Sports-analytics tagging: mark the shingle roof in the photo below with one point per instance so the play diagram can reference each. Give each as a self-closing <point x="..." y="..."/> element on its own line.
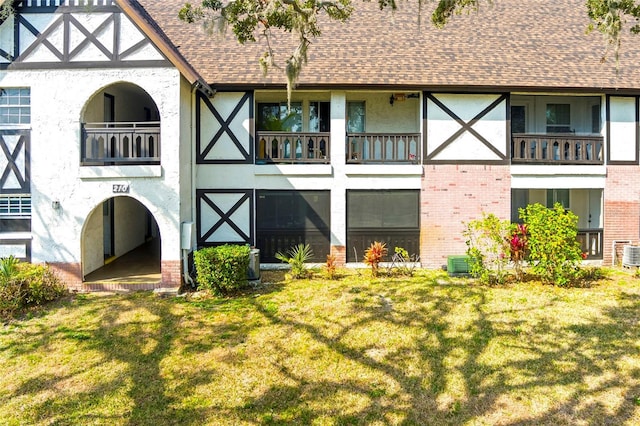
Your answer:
<point x="513" y="45"/>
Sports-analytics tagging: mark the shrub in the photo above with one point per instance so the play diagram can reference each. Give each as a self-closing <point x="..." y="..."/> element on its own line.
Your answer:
<point x="330" y="267"/>
<point x="518" y="246"/>
<point x="402" y="262"/>
<point x="554" y="251"/>
<point x="374" y="255"/>
<point x="42" y="284"/>
<point x="297" y="257"/>
<point x="24" y="284"/>
<point x="8" y="267"/>
<point x="222" y="269"/>
<point x="586" y="275"/>
<point x="488" y="248"/>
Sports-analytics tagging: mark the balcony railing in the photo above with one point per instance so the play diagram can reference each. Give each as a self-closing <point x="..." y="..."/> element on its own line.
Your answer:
<point x="591" y="242"/>
<point x="120" y="143"/>
<point x="556" y="149"/>
<point x="289" y="147"/>
<point x="383" y="148"/>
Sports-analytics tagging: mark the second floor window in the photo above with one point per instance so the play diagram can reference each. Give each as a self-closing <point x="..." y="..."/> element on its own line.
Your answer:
<point x="355" y="117"/>
<point x="319" y="117"/>
<point x="276" y="117"/>
<point x="559" y="118"/>
<point x="15" y="106"/>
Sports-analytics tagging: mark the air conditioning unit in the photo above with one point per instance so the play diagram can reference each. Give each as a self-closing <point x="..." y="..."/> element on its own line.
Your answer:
<point x="458" y="264"/>
<point x="254" y="265"/>
<point x="631" y="256"/>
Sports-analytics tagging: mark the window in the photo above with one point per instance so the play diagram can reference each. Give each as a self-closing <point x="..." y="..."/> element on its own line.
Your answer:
<point x="15" y="213"/>
<point x="595" y="119"/>
<point x="15" y="106"/>
<point x="355" y="117"/>
<point x="558" y="196"/>
<point x="558" y="118"/>
<point x="519" y="200"/>
<point x="15" y="205"/>
<point x="518" y="119"/>
<point x="319" y="117"/>
<point x="276" y="117"/>
<point x="389" y="216"/>
<point x="285" y="218"/>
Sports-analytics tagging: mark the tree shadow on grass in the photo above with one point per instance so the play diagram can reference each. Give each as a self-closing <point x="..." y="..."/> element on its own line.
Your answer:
<point x="123" y="381"/>
<point x="448" y="376"/>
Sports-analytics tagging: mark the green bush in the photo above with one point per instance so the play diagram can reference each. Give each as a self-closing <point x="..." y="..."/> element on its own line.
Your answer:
<point x="488" y="248"/>
<point x="554" y="251"/>
<point x="222" y="269"/>
<point x="42" y="284"/>
<point x="23" y="284"/>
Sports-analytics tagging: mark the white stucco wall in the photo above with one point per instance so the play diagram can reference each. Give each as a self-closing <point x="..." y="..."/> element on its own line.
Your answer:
<point x="441" y="127"/>
<point x="622" y="126"/>
<point x="93" y="253"/>
<point x="58" y="99"/>
<point x="401" y="117"/>
<point x="130" y="221"/>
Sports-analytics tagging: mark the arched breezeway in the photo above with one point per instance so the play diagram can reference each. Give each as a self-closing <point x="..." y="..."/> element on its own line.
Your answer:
<point x="120" y="245"/>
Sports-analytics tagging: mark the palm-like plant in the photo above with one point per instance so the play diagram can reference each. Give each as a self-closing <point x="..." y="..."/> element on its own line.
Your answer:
<point x="297" y="257"/>
<point x="8" y="267"/>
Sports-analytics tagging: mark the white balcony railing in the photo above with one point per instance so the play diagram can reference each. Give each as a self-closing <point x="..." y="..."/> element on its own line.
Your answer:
<point x="120" y="143"/>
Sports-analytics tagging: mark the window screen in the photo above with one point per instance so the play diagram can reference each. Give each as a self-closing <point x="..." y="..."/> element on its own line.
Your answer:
<point x="383" y="209"/>
<point x="293" y="210"/>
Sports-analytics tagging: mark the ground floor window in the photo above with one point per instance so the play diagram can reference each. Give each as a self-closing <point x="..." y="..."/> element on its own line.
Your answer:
<point x="285" y="218"/>
<point x="15" y="213"/>
<point x="389" y="216"/>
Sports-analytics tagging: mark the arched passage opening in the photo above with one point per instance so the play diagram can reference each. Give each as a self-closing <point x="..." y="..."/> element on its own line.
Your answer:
<point x="121" y="244"/>
<point x="120" y="126"/>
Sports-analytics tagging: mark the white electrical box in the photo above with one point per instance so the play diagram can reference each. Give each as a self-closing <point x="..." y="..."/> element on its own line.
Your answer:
<point x="186" y="237"/>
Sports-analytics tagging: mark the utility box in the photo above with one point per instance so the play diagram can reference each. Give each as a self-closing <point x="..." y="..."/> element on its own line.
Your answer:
<point x="458" y="264"/>
<point x="254" y="264"/>
<point x="186" y="236"/>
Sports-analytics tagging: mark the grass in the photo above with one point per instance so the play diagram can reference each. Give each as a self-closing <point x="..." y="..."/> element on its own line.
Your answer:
<point x="420" y="351"/>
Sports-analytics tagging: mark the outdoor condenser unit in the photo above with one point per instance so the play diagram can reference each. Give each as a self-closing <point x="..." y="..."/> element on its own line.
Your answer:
<point x="631" y="256"/>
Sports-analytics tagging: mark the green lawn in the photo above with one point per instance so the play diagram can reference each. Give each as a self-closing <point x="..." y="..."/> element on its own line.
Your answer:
<point x="427" y="350"/>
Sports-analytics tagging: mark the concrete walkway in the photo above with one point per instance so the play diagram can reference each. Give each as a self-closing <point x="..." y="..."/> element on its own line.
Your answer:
<point x="138" y="269"/>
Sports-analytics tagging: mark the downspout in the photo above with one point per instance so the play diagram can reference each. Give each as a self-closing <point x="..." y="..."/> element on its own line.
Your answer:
<point x="185" y="252"/>
<point x="210" y="92"/>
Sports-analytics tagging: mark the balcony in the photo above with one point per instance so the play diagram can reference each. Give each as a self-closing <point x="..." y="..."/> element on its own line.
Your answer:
<point x="120" y="143"/>
<point x="292" y="148"/>
<point x="556" y="149"/>
<point x="383" y="148"/>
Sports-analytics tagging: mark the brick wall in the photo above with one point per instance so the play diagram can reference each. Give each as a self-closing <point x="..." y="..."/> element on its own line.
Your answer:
<point x="621" y="208"/>
<point x="340" y="252"/>
<point x="70" y="274"/>
<point x="453" y="194"/>
<point x="171" y="273"/>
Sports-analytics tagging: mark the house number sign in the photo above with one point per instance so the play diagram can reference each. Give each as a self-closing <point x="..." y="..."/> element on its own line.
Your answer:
<point x="120" y="188"/>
